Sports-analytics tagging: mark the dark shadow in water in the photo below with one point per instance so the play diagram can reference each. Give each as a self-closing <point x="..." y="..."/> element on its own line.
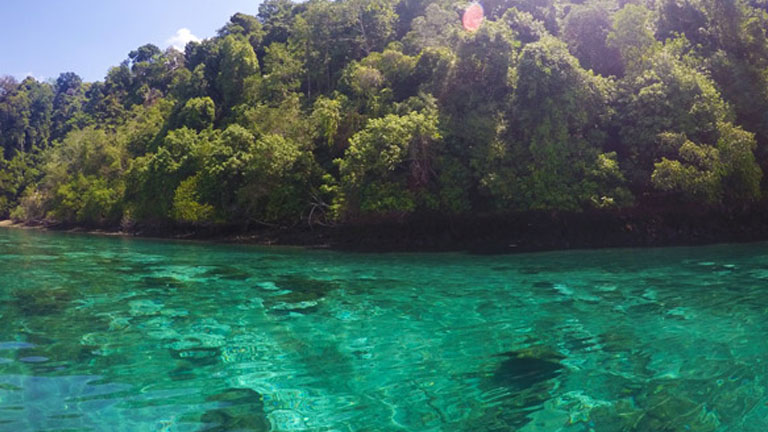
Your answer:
<point x="304" y="294"/>
<point x="525" y="368"/>
<point x="242" y="410"/>
<point x="41" y="302"/>
<point x="227" y="273"/>
<point x="191" y="360"/>
<point x="304" y="288"/>
<point x="198" y="356"/>
<point x="162" y="282"/>
<point x="528" y="377"/>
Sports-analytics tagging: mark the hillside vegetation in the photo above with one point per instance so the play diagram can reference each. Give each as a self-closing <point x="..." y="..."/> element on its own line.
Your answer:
<point x="331" y="112"/>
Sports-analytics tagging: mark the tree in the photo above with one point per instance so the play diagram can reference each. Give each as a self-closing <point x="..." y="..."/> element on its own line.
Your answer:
<point x="17" y="176"/>
<point x="388" y="165"/>
<point x="379" y="108"/>
<point x="632" y="36"/>
<point x="246" y="26"/>
<point x="283" y="71"/>
<point x="152" y="180"/>
<point x="711" y="174"/>
<point x="25" y="117"/>
<point x="68" y="105"/>
<point x="551" y="156"/>
<point x="82" y="178"/>
<point x="586" y="30"/>
<point x="275" y="186"/>
<point x="237" y="64"/>
<point x="375" y="23"/>
<point x="198" y="113"/>
<point x="187" y="205"/>
<point x="326" y="117"/>
<point x="437" y="27"/>
<point x="276" y="17"/>
<point x="681" y="17"/>
<point x="668" y="96"/>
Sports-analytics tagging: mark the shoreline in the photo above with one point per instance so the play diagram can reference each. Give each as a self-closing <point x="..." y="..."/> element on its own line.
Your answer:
<point x="480" y="234"/>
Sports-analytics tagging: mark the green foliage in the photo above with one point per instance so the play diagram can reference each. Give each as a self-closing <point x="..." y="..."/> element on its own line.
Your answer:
<point x="375" y="21"/>
<point x="741" y="173"/>
<point x="16" y="175"/>
<point x="325" y="118"/>
<point x="632" y="35"/>
<point x="152" y="179"/>
<point x="526" y="28"/>
<point x="67" y="109"/>
<point x="198" y="113"/>
<point x="186" y="204"/>
<point x="246" y="26"/>
<point x="282" y="72"/>
<point x="695" y="175"/>
<point x="586" y="31"/>
<point x="31" y="206"/>
<point x="727" y="171"/>
<point x="146" y="127"/>
<point x="237" y="63"/>
<point x="438" y="27"/>
<point x="25" y="116"/>
<point x="89" y="200"/>
<point x="83" y="178"/>
<point x="275" y="179"/>
<point x="553" y="148"/>
<point x="388" y="163"/>
<point x="667" y="96"/>
<point x="276" y="16"/>
<point x="376" y="108"/>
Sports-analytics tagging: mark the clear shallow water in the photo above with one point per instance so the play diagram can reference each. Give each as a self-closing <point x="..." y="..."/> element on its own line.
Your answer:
<point x="113" y="334"/>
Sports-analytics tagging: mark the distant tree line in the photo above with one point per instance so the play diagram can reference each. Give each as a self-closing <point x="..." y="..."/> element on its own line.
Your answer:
<point x="336" y="111"/>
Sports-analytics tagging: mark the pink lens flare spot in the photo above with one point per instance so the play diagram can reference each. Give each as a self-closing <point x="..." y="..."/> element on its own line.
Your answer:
<point x="473" y="17"/>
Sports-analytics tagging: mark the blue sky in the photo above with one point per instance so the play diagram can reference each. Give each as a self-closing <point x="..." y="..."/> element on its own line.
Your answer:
<point x="43" y="38"/>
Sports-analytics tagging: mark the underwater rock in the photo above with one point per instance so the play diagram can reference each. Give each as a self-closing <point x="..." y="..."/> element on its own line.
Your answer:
<point x="144" y="308"/>
<point x="242" y="410"/>
<point x="40" y="302"/>
<point x="617" y="340"/>
<point x="301" y="307"/>
<point x="300" y="294"/>
<point x="161" y="282"/>
<point x="304" y="289"/>
<point x="227" y="273"/>
<point x="183" y="373"/>
<point x="199" y="356"/>
<point x="527" y="367"/>
<point x="621" y="416"/>
<point x="520" y="385"/>
<point x="646" y="308"/>
<point x="658" y="408"/>
<point x="669" y="412"/>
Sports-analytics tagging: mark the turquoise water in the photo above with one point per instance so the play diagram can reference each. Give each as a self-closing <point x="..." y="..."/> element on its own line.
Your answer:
<point x="112" y="334"/>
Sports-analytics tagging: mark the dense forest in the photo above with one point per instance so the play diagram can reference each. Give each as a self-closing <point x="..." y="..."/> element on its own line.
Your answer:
<point x="328" y="112"/>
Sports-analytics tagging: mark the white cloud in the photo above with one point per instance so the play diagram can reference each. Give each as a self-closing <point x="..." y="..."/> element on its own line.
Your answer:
<point x="181" y="38"/>
<point x="23" y="76"/>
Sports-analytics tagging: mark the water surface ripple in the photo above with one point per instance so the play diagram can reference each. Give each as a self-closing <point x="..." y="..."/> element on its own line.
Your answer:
<point x="115" y="334"/>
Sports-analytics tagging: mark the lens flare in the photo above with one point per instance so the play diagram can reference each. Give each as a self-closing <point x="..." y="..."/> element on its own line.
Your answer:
<point x="473" y="17"/>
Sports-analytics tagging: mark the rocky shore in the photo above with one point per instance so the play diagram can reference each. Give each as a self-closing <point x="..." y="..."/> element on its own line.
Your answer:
<point x="520" y="232"/>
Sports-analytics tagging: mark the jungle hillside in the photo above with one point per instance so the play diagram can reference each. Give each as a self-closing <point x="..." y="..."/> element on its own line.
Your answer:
<point x="330" y="113"/>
